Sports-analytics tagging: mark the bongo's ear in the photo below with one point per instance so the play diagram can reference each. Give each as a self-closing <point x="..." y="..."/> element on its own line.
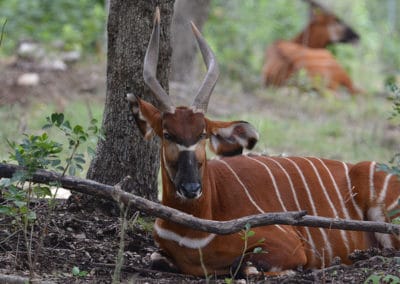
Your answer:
<point x="229" y="138"/>
<point x="147" y="116"/>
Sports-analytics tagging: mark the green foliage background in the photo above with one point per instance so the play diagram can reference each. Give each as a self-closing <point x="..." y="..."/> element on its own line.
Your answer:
<point x="240" y="31"/>
<point x="79" y="23"/>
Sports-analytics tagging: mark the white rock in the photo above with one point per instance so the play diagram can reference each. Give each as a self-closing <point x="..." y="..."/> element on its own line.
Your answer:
<point x="28" y="79"/>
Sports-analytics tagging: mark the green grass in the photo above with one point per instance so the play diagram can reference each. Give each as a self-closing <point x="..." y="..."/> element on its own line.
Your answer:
<point x="345" y="128"/>
<point x="348" y="129"/>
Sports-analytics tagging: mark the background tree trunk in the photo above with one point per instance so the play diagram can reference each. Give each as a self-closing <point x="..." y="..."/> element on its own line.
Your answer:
<point x="182" y="39"/>
<point x="124" y="152"/>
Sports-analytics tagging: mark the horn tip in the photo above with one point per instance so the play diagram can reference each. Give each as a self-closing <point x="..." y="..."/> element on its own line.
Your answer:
<point x="195" y="29"/>
<point x="157" y="15"/>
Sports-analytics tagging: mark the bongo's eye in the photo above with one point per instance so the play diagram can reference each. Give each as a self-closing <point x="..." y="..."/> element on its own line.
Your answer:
<point x="167" y="136"/>
<point x="203" y="136"/>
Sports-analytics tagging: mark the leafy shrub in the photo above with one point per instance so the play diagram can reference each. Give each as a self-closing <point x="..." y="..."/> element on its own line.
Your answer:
<point x="40" y="152"/>
<point x="394" y="164"/>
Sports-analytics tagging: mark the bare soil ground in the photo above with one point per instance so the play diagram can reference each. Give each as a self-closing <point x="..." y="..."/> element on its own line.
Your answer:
<point x="90" y="241"/>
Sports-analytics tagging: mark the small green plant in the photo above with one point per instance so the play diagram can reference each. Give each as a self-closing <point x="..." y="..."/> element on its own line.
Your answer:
<point x="41" y="152"/>
<point x="119" y="261"/>
<point x="394" y="163"/>
<point x="381" y="278"/>
<point x="79" y="273"/>
<point x="203" y="267"/>
<point x="145" y="225"/>
<point x="245" y="235"/>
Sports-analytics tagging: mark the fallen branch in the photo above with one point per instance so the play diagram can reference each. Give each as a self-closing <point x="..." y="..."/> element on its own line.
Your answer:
<point x="15" y="279"/>
<point x="218" y="227"/>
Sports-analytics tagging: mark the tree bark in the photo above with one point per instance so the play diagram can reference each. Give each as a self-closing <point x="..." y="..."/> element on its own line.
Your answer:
<point x="184" y="47"/>
<point x="217" y="227"/>
<point x="124" y="152"/>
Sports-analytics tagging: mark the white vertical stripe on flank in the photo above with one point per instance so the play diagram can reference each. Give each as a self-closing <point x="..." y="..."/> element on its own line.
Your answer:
<point x="376" y="214"/>
<point x="310" y="239"/>
<point x="372" y="194"/>
<point x="323" y="233"/>
<point x="335" y="212"/>
<point x="349" y="187"/>
<point x="383" y="192"/>
<point x="393" y="205"/>
<point x="247" y="191"/>
<point x="322" y="187"/>
<point x="243" y="186"/>
<point x="340" y="197"/>
<point x="290" y="182"/>
<point x="273" y="181"/>
<point x="338" y="193"/>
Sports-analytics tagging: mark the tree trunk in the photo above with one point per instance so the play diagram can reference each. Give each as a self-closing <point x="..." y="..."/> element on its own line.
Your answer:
<point x="124" y="152"/>
<point x="183" y="41"/>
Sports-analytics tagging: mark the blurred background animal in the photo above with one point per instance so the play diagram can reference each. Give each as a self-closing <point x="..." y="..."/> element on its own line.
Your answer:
<point x="308" y="51"/>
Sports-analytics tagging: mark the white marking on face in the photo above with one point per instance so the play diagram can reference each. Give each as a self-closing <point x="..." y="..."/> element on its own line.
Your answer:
<point x="192" y="243"/>
<point x="187" y="148"/>
<point x="376" y="214"/>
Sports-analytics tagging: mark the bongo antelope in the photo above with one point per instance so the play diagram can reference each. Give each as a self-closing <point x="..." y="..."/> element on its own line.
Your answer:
<point x="237" y="185"/>
<point x="324" y="28"/>
<point x="307" y="51"/>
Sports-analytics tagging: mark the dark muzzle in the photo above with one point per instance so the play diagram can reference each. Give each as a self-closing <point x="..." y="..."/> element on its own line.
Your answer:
<point x="187" y="179"/>
<point x="190" y="190"/>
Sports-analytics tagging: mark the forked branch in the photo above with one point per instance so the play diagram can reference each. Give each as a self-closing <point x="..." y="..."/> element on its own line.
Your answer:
<point x="218" y="227"/>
